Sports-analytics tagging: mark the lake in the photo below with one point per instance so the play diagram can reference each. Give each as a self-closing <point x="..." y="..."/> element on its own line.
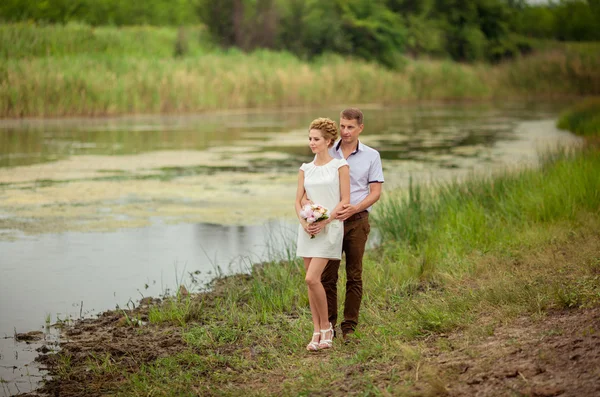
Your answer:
<point x="99" y="213"/>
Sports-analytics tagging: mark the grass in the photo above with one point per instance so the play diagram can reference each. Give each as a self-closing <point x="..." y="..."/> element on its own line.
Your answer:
<point x="177" y="310"/>
<point x="78" y="70"/>
<point x="557" y="69"/>
<point x="26" y="41"/>
<point x="481" y="213"/>
<point x="583" y="118"/>
<point x="478" y="254"/>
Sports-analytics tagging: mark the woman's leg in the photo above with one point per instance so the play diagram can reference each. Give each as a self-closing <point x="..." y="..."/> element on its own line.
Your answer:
<point x="316" y="292"/>
<point x="312" y="299"/>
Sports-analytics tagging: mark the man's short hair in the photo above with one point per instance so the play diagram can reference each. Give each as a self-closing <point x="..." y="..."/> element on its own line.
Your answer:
<point x="352" y="114"/>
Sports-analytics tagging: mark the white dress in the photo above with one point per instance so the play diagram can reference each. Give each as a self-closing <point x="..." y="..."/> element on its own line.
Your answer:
<point x="322" y="185"/>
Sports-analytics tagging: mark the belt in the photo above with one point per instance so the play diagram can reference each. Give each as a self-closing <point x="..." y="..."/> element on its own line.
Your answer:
<point x="358" y="215"/>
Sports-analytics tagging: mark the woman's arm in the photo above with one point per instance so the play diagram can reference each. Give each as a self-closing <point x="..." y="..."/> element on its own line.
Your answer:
<point x="344" y="173"/>
<point x="300" y="192"/>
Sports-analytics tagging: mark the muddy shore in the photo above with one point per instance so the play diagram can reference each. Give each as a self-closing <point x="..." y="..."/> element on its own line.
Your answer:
<point x="557" y="355"/>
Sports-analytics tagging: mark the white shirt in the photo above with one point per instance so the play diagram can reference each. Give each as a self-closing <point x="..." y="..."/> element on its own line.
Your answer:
<point x="365" y="168"/>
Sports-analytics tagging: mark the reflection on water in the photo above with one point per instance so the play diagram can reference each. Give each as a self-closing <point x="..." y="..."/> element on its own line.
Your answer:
<point x="25" y="142"/>
<point x="405" y="131"/>
<point x="67" y="268"/>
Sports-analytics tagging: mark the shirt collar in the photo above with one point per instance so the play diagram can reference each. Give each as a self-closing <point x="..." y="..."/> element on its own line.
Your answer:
<point x="359" y="147"/>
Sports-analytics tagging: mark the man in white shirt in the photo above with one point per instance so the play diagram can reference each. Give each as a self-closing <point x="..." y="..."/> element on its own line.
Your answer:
<point x="366" y="179"/>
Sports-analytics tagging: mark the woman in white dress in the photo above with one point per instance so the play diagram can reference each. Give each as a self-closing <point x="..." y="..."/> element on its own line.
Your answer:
<point x="326" y="181"/>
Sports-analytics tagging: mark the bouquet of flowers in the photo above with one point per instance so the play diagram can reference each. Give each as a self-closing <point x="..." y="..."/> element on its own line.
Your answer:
<point x="314" y="213"/>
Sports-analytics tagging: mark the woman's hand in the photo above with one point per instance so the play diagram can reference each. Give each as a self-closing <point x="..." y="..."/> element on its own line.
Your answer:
<point x="305" y="226"/>
<point x="317" y="227"/>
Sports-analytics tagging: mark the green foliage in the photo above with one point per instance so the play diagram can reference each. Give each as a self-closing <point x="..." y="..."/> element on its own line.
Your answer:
<point x="578" y="20"/>
<point x="175" y="310"/>
<point x="424" y="36"/>
<point x="480" y="212"/>
<point x="308" y="28"/>
<point x="181" y="44"/>
<point x="19" y="41"/>
<point x="218" y="17"/>
<point x="477" y="30"/>
<point x="583" y="118"/>
<point x="535" y="21"/>
<point x="100" y="12"/>
<point x="247" y="24"/>
<point x="78" y="70"/>
<point x="569" y="20"/>
<point x="570" y="69"/>
<point x="375" y="30"/>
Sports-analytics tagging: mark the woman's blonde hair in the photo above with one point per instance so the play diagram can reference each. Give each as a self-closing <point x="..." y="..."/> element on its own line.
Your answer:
<point x="327" y="127"/>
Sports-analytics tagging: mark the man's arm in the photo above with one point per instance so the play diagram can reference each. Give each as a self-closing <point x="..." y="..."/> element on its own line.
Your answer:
<point x="372" y="198"/>
<point x="305" y="200"/>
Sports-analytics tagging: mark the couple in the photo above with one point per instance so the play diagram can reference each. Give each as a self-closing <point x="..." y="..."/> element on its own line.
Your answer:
<point x="345" y="177"/>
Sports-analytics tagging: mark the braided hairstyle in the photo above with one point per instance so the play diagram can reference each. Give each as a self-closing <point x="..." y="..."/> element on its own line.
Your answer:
<point x="328" y="128"/>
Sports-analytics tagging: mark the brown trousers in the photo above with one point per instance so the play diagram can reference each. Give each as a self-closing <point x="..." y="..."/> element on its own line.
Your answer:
<point x="356" y="232"/>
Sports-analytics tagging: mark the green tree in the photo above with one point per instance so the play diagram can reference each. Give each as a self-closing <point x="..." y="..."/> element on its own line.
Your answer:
<point x="246" y="24"/>
<point x="536" y="21"/>
<point x="375" y="32"/>
<point x="477" y="29"/>
<point x="578" y="20"/>
<point x="410" y="7"/>
<point x="312" y="27"/>
<point x="464" y="39"/>
<point x="424" y="35"/>
<point x="423" y="30"/>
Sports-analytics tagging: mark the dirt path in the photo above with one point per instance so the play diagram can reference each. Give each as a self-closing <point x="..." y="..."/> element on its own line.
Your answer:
<point x="558" y="355"/>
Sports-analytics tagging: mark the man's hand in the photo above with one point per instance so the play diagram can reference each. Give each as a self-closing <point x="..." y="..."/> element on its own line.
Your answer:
<point x="346" y="212"/>
<point x="305" y="200"/>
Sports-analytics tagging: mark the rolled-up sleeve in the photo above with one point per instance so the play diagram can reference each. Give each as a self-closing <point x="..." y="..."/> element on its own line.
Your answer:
<point x="376" y="170"/>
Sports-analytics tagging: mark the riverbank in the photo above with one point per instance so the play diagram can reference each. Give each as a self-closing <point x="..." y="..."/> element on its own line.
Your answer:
<point x="76" y="70"/>
<point x="501" y="261"/>
<point x="497" y="347"/>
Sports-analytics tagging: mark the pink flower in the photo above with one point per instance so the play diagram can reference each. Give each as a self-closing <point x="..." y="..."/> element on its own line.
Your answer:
<point x="314" y="213"/>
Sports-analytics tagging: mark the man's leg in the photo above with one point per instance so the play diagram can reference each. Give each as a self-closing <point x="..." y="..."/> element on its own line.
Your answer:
<point x="355" y="240"/>
<point x="329" y="279"/>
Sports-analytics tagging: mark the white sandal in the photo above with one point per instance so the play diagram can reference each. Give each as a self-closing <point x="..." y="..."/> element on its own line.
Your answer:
<point x="326" y="343"/>
<point x="313" y="346"/>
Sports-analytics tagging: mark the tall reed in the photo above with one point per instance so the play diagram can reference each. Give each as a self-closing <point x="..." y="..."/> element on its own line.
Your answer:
<point x="26" y="41"/>
<point x="78" y="70"/>
<point x="439" y="225"/>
